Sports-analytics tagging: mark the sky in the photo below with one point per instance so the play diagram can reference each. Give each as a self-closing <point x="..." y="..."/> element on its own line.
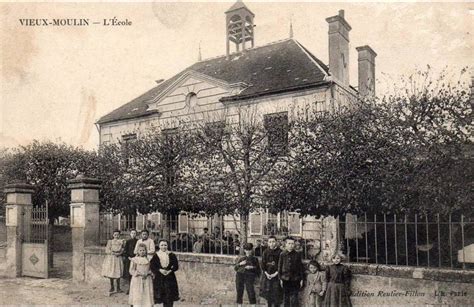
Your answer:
<point x="56" y="82"/>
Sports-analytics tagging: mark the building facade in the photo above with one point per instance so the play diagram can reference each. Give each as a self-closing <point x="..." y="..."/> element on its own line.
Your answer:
<point x="281" y="77"/>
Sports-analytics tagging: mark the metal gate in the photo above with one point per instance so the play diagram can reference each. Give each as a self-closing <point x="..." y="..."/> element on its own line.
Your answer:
<point x="35" y="242"/>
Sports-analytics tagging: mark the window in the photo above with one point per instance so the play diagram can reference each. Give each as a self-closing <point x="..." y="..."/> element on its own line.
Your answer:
<point x="276" y="125"/>
<point x="169" y="133"/>
<point x="191" y="100"/>
<point x="126" y="140"/>
<point x="276" y="224"/>
<point x="129" y="137"/>
<point x="106" y="139"/>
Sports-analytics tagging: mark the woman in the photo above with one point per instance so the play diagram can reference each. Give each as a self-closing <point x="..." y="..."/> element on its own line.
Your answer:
<point x="163" y="265"/>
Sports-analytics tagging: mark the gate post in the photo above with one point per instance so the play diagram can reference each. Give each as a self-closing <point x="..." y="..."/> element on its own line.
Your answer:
<point x="330" y="238"/>
<point x="18" y="200"/>
<point x="84" y="220"/>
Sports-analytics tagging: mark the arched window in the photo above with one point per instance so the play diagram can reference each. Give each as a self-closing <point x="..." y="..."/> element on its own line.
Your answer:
<point x="191" y="99"/>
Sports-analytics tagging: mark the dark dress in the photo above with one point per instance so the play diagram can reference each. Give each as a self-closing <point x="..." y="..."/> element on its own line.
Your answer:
<point x="165" y="288"/>
<point x="337" y="293"/>
<point x="270" y="289"/>
<point x="128" y="252"/>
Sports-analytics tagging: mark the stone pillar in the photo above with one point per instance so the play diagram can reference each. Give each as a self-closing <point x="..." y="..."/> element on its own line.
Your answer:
<point x="18" y="201"/>
<point x="330" y="239"/>
<point x="84" y="220"/>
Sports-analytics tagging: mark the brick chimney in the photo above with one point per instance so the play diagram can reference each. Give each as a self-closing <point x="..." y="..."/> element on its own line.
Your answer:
<point x="366" y="59"/>
<point x="339" y="47"/>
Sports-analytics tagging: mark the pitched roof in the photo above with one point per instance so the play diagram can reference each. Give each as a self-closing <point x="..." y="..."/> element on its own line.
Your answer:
<point x="277" y="67"/>
<point x="239" y="5"/>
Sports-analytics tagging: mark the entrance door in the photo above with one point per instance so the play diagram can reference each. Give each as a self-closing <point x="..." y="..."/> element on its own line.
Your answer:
<point x="35" y="242"/>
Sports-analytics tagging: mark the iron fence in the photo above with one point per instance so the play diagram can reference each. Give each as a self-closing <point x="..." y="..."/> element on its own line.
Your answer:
<point x="421" y="241"/>
<point x="415" y="240"/>
<point x="108" y="222"/>
<point x="217" y="234"/>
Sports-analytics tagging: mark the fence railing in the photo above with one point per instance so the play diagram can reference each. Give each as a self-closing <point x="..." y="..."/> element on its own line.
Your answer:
<point x="421" y="241"/>
<point x="217" y="234"/>
<point x="410" y="240"/>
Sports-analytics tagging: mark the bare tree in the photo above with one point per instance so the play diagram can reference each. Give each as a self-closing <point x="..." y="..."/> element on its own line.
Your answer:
<point x="238" y="156"/>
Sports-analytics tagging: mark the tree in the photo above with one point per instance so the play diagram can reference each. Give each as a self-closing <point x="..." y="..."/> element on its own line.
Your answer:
<point x="388" y="155"/>
<point x="151" y="176"/>
<point x="235" y="163"/>
<point x="47" y="166"/>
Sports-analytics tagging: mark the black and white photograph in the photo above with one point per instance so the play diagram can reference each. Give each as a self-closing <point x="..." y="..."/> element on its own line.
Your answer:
<point x="236" y="153"/>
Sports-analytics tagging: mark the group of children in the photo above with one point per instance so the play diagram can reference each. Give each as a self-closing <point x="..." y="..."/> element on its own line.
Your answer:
<point x="150" y="273"/>
<point x="284" y="277"/>
<point x="152" y="280"/>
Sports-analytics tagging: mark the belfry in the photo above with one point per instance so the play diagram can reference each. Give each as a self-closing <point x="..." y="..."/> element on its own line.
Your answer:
<point x="239" y="27"/>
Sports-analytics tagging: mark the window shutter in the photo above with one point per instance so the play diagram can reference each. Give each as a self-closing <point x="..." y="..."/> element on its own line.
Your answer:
<point x="255" y="223"/>
<point x="295" y="224"/>
<point x="183" y="223"/>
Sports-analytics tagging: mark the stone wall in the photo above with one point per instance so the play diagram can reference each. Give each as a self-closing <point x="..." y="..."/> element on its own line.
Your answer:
<point x="209" y="279"/>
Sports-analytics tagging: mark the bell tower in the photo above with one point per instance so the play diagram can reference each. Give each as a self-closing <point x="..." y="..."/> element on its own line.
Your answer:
<point x="239" y="27"/>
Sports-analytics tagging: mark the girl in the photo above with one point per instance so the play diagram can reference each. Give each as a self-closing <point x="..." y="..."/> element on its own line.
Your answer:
<point x="338" y="278"/>
<point x="315" y="285"/>
<point x="141" y="286"/>
<point x="112" y="267"/>
<point x="163" y="265"/>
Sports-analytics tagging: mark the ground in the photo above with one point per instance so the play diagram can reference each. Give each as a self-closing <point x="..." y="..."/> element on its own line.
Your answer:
<point x="61" y="290"/>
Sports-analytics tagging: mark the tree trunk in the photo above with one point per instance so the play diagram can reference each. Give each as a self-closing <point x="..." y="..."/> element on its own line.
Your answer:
<point x="166" y="228"/>
<point x="244" y="221"/>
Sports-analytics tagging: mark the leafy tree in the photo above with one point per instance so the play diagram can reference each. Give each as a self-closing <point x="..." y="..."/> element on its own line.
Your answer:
<point x="151" y="172"/>
<point x="47" y="166"/>
<point x="403" y="152"/>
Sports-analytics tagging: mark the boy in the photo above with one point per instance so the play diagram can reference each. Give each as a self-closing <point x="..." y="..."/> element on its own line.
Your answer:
<point x="247" y="269"/>
<point x="149" y="243"/>
<point x="291" y="273"/>
<point x="270" y="285"/>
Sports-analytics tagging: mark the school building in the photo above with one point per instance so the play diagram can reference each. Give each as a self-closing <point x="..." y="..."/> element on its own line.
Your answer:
<point x="278" y="79"/>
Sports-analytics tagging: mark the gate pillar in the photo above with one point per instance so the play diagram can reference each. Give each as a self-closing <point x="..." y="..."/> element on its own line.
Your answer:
<point x="84" y="220"/>
<point x="18" y="197"/>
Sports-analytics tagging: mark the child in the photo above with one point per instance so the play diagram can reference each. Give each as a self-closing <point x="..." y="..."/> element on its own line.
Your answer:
<point x="149" y="243"/>
<point x="141" y="286"/>
<point x="270" y="285"/>
<point x="112" y="267"/>
<point x="197" y="247"/>
<point x="315" y="285"/>
<point x="128" y="255"/>
<point x="247" y="269"/>
<point x="338" y="277"/>
<point x="291" y="273"/>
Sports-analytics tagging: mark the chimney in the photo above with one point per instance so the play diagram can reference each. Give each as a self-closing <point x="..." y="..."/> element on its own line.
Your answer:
<point x="339" y="47"/>
<point x="366" y="59"/>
